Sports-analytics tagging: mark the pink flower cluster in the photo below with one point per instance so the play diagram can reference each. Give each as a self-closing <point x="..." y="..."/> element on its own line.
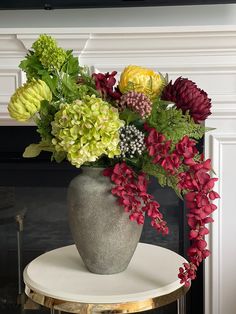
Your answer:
<point x="105" y="85"/>
<point x="197" y="185"/>
<point x="138" y="102"/>
<point x="131" y="190"/>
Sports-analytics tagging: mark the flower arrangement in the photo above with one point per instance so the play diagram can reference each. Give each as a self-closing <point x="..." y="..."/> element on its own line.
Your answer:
<point x="143" y="126"/>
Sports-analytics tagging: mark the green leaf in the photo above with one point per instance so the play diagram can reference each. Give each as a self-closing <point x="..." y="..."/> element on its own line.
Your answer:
<point x="52" y="82"/>
<point x="69" y="87"/>
<point x="84" y="90"/>
<point x="86" y="77"/>
<point x="208" y="129"/>
<point x="129" y="116"/>
<point x="71" y="66"/>
<point x="32" y="66"/>
<point x="46" y="116"/>
<point x="33" y="150"/>
<point x="174" y="124"/>
<point x="164" y="179"/>
<point x="58" y="156"/>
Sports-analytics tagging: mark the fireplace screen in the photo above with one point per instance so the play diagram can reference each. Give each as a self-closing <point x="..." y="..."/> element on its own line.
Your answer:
<point x="36" y="190"/>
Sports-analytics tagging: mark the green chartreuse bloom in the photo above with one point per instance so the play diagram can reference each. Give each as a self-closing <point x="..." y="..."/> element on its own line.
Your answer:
<point x="49" y="54"/>
<point x="26" y="100"/>
<point x="87" y="129"/>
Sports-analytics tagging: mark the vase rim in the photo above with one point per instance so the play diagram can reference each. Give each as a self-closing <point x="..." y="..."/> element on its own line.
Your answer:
<point x="92" y="167"/>
<point x="92" y="170"/>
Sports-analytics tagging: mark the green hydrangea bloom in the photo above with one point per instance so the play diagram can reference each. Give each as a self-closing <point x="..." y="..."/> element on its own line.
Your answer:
<point x="87" y="129"/>
<point x="49" y="54"/>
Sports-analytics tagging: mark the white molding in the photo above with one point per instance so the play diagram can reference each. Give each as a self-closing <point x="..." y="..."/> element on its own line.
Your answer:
<point x="77" y="42"/>
<point x="161" y="42"/>
<point x="196" y="29"/>
<point x="16" y="74"/>
<point x="143" y="41"/>
<point x="213" y="265"/>
<point x="18" y="77"/>
<point x="223" y="114"/>
<point x="6" y="120"/>
<point x="10" y="45"/>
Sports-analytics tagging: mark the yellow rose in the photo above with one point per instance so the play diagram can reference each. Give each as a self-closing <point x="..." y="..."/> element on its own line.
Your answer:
<point x="26" y="100"/>
<point x="141" y="80"/>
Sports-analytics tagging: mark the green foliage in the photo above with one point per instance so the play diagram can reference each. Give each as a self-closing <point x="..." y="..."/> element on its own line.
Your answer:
<point x="44" y="42"/>
<point x="58" y="156"/>
<point x="85" y="78"/>
<point x="52" y="82"/>
<point x="68" y="87"/>
<point x="66" y="79"/>
<point x="62" y="84"/>
<point x="32" y="66"/>
<point x="164" y="78"/>
<point x="164" y="179"/>
<point x="33" y="150"/>
<point x="49" y="54"/>
<point x="171" y="122"/>
<point x="46" y="116"/>
<point x="71" y="65"/>
<point x="84" y="90"/>
<point x="129" y="116"/>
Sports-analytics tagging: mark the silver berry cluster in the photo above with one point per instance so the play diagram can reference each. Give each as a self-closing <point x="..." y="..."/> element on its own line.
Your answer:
<point x="131" y="141"/>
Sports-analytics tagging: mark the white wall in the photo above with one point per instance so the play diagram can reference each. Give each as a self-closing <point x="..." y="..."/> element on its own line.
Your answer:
<point x="150" y="16"/>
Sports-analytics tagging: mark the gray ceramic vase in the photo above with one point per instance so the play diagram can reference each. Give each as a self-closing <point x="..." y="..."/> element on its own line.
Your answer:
<point x="104" y="236"/>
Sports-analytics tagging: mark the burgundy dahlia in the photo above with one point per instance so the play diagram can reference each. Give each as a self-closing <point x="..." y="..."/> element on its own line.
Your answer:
<point x="105" y="85"/>
<point x="188" y="97"/>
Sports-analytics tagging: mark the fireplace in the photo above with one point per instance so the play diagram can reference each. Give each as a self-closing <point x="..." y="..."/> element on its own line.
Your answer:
<point x="41" y="186"/>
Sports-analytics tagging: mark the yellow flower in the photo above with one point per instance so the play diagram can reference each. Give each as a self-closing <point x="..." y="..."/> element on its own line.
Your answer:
<point x="141" y="80"/>
<point x="26" y="100"/>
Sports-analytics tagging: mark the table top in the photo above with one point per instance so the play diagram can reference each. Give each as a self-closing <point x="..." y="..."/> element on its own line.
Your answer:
<point x="59" y="278"/>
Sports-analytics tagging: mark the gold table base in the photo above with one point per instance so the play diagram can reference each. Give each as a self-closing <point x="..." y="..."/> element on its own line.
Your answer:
<point x="99" y="308"/>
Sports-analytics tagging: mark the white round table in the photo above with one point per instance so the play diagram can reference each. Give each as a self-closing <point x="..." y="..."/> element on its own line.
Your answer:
<point x="59" y="280"/>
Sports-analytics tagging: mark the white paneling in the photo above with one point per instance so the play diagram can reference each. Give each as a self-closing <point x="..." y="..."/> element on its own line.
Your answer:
<point x="9" y="44"/>
<point x="220" y="277"/>
<point x="77" y="42"/>
<point x="10" y="79"/>
<point x="228" y="230"/>
<point x="8" y="83"/>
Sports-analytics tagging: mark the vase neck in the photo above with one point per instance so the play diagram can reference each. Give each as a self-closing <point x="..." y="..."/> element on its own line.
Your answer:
<point x="92" y="171"/>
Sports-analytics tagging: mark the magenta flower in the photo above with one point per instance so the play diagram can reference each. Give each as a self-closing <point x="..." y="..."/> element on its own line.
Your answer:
<point x="131" y="191"/>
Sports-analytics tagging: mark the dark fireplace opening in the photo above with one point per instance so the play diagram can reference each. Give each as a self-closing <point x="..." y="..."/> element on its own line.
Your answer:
<point x="40" y="186"/>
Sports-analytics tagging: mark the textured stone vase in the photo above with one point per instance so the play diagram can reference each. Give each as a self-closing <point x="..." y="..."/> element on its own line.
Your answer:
<point x="104" y="236"/>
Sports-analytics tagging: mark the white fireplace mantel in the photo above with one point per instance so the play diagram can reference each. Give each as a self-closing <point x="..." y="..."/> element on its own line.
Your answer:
<point x="205" y="54"/>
